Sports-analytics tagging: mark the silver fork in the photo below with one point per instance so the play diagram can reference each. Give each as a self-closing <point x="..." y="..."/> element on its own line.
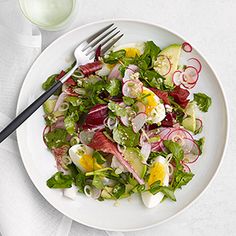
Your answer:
<point x="84" y="53"/>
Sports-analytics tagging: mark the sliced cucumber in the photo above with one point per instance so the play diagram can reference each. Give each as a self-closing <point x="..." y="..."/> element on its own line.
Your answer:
<point x="173" y="53"/>
<point x="189" y="123"/>
<point x="134" y="157"/>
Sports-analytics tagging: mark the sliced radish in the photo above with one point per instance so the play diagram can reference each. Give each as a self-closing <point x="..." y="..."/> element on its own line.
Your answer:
<point x="141" y="107"/>
<point x="115" y="72"/>
<point x="162" y="65"/>
<point x="191" y="150"/>
<point x="198" y="124"/>
<point x="195" y="63"/>
<point x="187" y="47"/>
<point x="186" y="168"/>
<point x="131" y="69"/>
<point x="125" y="120"/>
<point x="190" y="75"/>
<point x="132" y="88"/>
<point x="177" y="77"/>
<point x="187" y="85"/>
<point x="138" y="121"/>
<point x="177" y="135"/>
<point x="146" y="150"/>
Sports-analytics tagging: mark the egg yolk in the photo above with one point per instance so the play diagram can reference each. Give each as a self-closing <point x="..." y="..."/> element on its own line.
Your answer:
<point x="149" y="101"/>
<point x="132" y="52"/>
<point x="157" y="173"/>
<point x="88" y="163"/>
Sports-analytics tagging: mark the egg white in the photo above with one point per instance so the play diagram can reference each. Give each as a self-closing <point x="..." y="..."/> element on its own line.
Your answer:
<point x="77" y="151"/>
<point x="158" y="113"/>
<point x="148" y="198"/>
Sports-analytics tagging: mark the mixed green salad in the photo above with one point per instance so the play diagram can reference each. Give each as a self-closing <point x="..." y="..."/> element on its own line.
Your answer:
<point x="126" y="123"/>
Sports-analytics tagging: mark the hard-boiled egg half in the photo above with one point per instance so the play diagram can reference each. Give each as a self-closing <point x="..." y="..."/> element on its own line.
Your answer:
<point x="159" y="171"/>
<point x="132" y="49"/>
<point x="154" y="108"/>
<point x="82" y="156"/>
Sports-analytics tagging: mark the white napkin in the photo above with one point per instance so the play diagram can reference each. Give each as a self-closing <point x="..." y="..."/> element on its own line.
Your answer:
<point x="23" y="211"/>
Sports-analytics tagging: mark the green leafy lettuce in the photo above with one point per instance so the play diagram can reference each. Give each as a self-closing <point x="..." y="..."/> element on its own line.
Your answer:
<point x="59" y="180"/>
<point x="203" y="101"/>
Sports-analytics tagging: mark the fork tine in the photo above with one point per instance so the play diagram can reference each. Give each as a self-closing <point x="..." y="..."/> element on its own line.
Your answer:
<point x="94" y="36"/>
<point x="102" y="43"/>
<point x="108" y="46"/>
<point x="96" y="42"/>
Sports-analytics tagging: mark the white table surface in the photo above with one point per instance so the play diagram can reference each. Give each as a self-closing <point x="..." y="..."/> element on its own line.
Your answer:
<point x="210" y="26"/>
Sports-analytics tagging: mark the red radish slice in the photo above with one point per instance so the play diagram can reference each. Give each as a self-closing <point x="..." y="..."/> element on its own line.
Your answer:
<point x="162" y="65"/>
<point x="191" y="150"/>
<point x="141" y="107"/>
<point x="190" y="75"/>
<point x="177" y="77"/>
<point x="195" y="63"/>
<point x="125" y="120"/>
<point x="139" y="121"/>
<point x="132" y="88"/>
<point x="198" y="124"/>
<point x="188" y="86"/>
<point x="131" y="69"/>
<point x="187" y="47"/>
<point x="186" y="168"/>
<point x="177" y="135"/>
<point x="146" y="150"/>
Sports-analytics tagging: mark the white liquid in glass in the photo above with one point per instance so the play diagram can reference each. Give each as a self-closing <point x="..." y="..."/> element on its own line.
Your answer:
<point x="48" y="13"/>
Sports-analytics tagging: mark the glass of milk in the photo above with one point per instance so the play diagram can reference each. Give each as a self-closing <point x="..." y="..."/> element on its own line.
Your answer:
<point x="49" y="14"/>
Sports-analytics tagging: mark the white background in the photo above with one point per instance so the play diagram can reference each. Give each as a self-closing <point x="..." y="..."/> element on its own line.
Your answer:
<point x="210" y="26"/>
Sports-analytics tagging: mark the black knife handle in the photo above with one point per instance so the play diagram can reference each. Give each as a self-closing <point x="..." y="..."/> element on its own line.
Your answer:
<point x="28" y="111"/>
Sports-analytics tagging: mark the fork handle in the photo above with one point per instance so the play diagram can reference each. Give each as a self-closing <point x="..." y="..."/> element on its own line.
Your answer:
<point x="29" y="111"/>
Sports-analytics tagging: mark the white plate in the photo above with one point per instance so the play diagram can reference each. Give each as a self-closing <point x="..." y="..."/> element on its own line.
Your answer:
<point x="129" y="214"/>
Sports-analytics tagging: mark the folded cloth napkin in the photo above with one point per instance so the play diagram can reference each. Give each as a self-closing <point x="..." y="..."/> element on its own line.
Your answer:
<point x="23" y="211"/>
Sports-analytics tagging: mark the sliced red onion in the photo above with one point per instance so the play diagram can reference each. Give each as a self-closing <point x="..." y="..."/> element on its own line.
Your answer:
<point x="177" y="77"/>
<point x="115" y="73"/>
<point x="111" y="123"/>
<point x="171" y="169"/>
<point x="132" y="88"/>
<point x="59" y="124"/>
<point x="195" y="63"/>
<point x="162" y="65"/>
<point x="191" y="150"/>
<point x="146" y="150"/>
<point x="131" y="69"/>
<point x="190" y="75"/>
<point x="59" y="101"/>
<point x="141" y="107"/>
<point x="187" y="47"/>
<point x="138" y="121"/>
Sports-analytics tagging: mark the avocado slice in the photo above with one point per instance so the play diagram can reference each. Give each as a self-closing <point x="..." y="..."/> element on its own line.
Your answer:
<point x="173" y="53"/>
<point x="49" y="105"/>
<point x="189" y="123"/>
<point x="134" y="157"/>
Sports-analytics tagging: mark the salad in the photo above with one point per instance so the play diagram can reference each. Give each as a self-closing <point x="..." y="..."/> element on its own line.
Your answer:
<point x="126" y="124"/>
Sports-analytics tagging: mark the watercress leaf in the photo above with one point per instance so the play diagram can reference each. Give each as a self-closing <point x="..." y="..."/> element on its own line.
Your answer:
<point x="56" y="138"/>
<point x="73" y="170"/>
<point x="200" y="142"/>
<point x="59" y="180"/>
<point x="153" y="79"/>
<point x="99" y="157"/>
<point x="181" y="178"/>
<point x="175" y="149"/>
<point x="118" y="190"/>
<point x="128" y="101"/>
<point x="116" y="109"/>
<point x="113" y="57"/>
<point x="97" y="182"/>
<point x="80" y="181"/>
<point x="49" y="82"/>
<point x="114" y="87"/>
<point x="203" y="101"/>
<point x="75" y="101"/>
<point x="125" y="136"/>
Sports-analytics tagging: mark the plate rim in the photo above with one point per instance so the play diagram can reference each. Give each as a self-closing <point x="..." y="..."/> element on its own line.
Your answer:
<point x="208" y="64"/>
